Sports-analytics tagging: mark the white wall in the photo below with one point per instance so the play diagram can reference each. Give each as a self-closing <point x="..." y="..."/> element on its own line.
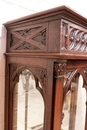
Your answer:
<point x="2" y="73"/>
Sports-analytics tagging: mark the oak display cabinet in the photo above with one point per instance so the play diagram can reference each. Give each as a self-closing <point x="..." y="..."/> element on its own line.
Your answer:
<point x="46" y="71"/>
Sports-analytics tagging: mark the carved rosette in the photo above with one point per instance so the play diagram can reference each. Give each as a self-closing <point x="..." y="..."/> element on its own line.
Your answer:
<point x="59" y="69"/>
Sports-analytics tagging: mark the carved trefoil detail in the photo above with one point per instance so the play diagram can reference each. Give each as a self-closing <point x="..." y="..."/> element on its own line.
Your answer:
<point x="40" y="72"/>
<point x="29" y="39"/>
<point x="13" y="68"/>
<point x="41" y="37"/>
<point x="73" y="38"/>
<point x="14" y="40"/>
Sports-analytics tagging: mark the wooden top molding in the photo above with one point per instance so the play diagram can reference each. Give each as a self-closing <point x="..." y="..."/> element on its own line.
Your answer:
<point x="61" y="11"/>
<point x="56" y="31"/>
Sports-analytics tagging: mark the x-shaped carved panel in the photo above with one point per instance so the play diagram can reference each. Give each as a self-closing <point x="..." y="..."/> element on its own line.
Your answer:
<point x="29" y="39"/>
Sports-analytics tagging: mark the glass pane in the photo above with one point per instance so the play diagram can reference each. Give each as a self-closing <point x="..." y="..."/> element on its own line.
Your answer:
<point x="74" y="108"/>
<point x="66" y="112"/>
<point x="81" y="105"/>
<point x="28" y="104"/>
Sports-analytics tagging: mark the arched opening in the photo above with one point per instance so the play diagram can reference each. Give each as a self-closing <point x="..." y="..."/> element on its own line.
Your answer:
<point x="28" y="103"/>
<point x="74" y="105"/>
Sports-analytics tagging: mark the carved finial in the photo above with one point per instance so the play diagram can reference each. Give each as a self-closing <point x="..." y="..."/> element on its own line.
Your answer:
<point x="59" y="69"/>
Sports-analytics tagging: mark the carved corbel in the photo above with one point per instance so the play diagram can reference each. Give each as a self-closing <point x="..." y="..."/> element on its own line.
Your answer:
<point x="59" y="68"/>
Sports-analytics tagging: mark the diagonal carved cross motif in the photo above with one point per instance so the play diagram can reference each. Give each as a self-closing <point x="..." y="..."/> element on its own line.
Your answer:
<point x="34" y="39"/>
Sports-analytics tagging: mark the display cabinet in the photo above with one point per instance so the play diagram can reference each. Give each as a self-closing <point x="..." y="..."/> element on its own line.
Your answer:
<point x="46" y="71"/>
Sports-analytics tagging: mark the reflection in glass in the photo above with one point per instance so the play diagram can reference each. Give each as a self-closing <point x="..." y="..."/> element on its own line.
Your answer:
<point x="81" y="105"/>
<point x="74" y="108"/>
<point x="28" y="105"/>
<point x="66" y="112"/>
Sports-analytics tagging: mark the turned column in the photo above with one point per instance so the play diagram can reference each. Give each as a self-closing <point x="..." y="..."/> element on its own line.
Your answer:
<point x="59" y="69"/>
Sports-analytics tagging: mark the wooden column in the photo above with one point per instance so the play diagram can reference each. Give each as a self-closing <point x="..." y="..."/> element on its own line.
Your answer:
<point x="59" y="69"/>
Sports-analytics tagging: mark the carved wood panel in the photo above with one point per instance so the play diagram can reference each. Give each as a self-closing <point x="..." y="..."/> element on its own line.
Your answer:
<point x="29" y="39"/>
<point x="59" y="69"/>
<point x="71" y="77"/>
<point x="74" y="38"/>
<point x="39" y="73"/>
